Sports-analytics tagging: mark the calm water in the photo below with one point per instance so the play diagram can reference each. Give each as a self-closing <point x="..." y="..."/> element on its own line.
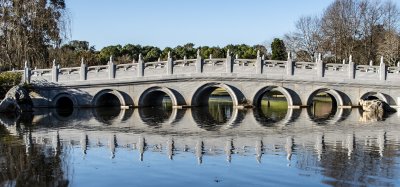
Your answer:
<point x="209" y="146"/>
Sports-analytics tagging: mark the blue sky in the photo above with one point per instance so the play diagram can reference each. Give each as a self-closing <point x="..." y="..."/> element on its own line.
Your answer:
<point x="175" y="22"/>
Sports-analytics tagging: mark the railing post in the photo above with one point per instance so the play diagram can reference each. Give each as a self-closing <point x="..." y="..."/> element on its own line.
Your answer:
<point x="228" y="63"/>
<point x="352" y="68"/>
<point x="170" y="64"/>
<point x="140" y="67"/>
<point x="27" y="73"/>
<point x="82" y="72"/>
<point x="259" y="64"/>
<point x="54" y="72"/>
<point x="382" y="70"/>
<point x="320" y="67"/>
<point x="111" y="69"/>
<point x="289" y="64"/>
<point x="199" y="63"/>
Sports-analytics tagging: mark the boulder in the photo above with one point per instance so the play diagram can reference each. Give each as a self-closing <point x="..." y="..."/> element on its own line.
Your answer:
<point x="375" y="105"/>
<point x="16" y="100"/>
<point x="374" y="110"/>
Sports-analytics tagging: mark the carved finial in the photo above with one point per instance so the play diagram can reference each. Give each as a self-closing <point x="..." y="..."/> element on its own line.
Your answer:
<point x="140" y="56"/>
<point x="111" y="59"/>
<point x="319" y="57"/>
<point x="58" y="66"/>
<point x="26" y="64"/>
<point x="133" y="61"/>
<point x="159" y="59"/>
<point x="371" y="63"/>
<point x="210" y="56"/>
<point x="54" y="62"/>
<point x="169" y="54"/>
<point x="258" y="53"/>
<point x="236" y="56"/>
<point x="82" y="61"/>
<point x="350" y="58"/>
<point x="344" y="61"/>
<point x="198" y="52"/>
<point x="398" y="64"/>
<point x="381" y="59"/>
<point x="263" y="57"/>
<point x="184" y="57"/>
<point x="227" y="53"/>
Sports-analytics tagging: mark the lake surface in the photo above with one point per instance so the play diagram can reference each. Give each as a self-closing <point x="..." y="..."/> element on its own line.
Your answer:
<point x="217" y="145"/>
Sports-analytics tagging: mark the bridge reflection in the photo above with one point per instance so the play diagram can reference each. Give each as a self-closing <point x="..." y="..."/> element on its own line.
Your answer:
<point x="295" y="138"/>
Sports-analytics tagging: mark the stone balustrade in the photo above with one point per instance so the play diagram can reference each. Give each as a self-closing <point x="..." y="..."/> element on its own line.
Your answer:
<point x="223" y="67"/>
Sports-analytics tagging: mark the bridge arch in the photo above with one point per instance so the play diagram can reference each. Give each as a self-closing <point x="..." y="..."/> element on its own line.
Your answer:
<point x="334" y="94"/>
<point x="378" y="95"/>
<point x="109" y="97"/>
<point x="64" y="104"/>
<point x="64" y="99"/>
<point x="154" y="96"/>
<point x="202" y="94"/>
<point x="260" y="93"/>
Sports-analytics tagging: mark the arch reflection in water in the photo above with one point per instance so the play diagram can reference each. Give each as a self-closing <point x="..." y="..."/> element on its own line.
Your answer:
<point x="215" y="119"/>
<point x="108" y="115"/>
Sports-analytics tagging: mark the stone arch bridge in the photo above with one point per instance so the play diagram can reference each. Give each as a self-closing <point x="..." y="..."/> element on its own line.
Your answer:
<point x="189" y="82"/>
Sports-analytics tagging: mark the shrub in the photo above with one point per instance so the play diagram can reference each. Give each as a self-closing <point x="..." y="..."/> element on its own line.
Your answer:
<point x="8" y="80"/>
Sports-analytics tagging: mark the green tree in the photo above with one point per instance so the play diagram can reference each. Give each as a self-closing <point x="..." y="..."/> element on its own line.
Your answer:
<point x="278" y="50"/>
<point x="28" y="28"/>
<point x="152" y="54"/>
<point x="107" y="52"/>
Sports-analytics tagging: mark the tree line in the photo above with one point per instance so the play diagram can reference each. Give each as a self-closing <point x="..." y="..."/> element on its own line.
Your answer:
<point x="74" y="51"/>
<point x="365" y="29"/>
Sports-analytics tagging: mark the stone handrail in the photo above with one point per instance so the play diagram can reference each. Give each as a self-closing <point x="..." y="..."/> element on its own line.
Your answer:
<point x="275" y="63"/>
<point x="336" y="67"/>
<point x="393" y="69"/>
<point x="185" y="62"/>
<point x="367" y="68"/>
<point x="274" y="69"/>
<point x="245" y="62"/>
<point x="305" y="65"/>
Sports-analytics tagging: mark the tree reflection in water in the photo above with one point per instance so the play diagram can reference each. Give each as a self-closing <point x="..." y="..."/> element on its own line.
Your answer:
<point x="35" y="165"/>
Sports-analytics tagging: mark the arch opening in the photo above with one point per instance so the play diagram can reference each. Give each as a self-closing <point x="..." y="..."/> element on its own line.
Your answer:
<point x="64" y="106"/>
<point x="374" y="95"/>
<point x="202" y="95"/>
<point x="215" y="104"/>
<point x="322" y="105"/>
<point x="220" y="105"/>
<point x="272" y="105"/>
<point x="215" y="107"/>
<point x="108" y="106"/>
<point x="157" y="98"/>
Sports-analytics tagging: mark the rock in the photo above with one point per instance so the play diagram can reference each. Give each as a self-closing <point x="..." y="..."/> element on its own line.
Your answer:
<point x="374" y="110"/>
<point x="371" y="117"/>
<point x="16" y="100"/>
<point x="375" y="105"/>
